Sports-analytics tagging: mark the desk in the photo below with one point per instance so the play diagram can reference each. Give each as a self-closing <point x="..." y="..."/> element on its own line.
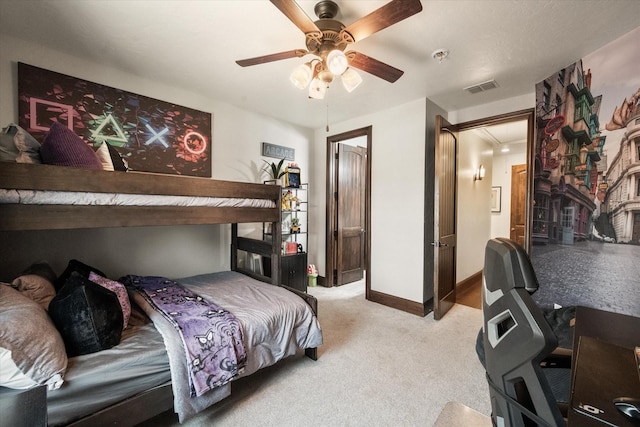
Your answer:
<point x="618" y="329"/>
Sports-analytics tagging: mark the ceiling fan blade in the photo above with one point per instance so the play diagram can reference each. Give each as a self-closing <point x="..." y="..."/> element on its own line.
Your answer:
<point x="297" y="53"/>
<point x="294" y="12"/>
<point x="387" y="15"/>
<point x="373" y="66"/>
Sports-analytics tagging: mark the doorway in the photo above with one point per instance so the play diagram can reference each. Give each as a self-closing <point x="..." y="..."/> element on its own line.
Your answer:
<point x="474" y="231"/>
<point x="348" y="201"/>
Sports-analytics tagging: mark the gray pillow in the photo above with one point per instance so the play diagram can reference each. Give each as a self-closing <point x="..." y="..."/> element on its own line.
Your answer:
<point x="34" y="344"/>
<point x="17" y="145"/>
<point x="36" y="288"/>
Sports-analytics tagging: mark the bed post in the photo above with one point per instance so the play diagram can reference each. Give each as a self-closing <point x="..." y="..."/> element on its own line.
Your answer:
<point x="276" y="251"/>
<point x="234" y="247"/>
<point x="276" y="244"/>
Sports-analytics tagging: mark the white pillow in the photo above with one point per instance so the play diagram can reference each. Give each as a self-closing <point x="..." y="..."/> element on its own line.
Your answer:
<point x="10" y="375"/>
<point x="105" y="156"/>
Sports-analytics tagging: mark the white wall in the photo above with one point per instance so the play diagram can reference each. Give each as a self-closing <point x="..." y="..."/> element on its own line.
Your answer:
<point x="397" y="198"/>
<point x="496" y="108"/>
<point x="474" y="210"/>
<point x="170" y="251"/>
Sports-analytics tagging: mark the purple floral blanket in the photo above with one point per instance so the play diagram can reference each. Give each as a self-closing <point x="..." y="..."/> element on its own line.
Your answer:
<point x="212" y="337"/>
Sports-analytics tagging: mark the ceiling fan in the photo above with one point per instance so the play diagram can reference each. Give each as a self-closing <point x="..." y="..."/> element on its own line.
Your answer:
<point x="327" y="40"/>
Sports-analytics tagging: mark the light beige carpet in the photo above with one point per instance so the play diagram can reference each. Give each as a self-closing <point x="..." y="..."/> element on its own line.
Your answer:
<point x="378" y="367"/>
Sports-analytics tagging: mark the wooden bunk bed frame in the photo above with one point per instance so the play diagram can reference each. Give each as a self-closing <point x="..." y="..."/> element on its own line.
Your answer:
<point x="24" y="217"/>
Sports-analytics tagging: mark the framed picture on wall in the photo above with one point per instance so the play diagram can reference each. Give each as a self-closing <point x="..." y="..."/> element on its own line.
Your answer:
<point x="153" y="135"/>
<point x="496" y="199"/>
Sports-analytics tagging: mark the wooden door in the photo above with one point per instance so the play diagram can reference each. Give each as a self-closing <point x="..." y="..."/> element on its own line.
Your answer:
<point x="518" y="203"/>
<point x="350" y="214"/>
<point x="445" y="184"/>
<point x="337" y="183"/>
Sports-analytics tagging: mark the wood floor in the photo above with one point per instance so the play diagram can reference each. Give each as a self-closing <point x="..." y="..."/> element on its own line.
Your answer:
<point x="470" y="294"/>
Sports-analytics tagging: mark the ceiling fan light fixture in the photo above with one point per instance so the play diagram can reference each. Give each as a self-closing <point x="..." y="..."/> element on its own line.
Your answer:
<point x="351" y="79"/>
<point x="317" y="89"/>
<point x="337" y="62"/>
<point x="327" y="38"/>
<point x="301" y="76"/>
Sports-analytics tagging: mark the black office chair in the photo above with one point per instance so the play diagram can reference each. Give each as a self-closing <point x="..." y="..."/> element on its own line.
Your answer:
<point x="516" y="340"/>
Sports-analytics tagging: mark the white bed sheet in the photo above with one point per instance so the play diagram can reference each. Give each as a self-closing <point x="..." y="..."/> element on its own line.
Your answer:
<point x="39" y="197"/>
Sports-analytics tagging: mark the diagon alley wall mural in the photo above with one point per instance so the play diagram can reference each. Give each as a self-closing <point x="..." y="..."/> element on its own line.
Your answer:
<point x="586" y="203"/>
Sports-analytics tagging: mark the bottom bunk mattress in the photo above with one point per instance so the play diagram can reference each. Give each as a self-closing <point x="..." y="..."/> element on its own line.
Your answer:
<point x="276" y="323"/>
<point x="98" y="380"/>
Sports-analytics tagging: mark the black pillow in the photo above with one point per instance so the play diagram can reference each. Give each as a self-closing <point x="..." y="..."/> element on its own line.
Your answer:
<point x="88" y="316"/>
<point x="79" y="267"/>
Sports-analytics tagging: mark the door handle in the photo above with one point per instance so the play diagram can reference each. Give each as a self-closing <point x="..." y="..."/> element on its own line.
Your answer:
<point x="438" y="244"/>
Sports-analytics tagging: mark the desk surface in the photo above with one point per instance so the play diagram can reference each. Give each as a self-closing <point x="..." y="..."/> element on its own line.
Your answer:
<point x="614" y="328"/>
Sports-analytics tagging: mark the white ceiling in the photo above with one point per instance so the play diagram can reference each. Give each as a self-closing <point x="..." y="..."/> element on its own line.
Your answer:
<point x="505" y="138"/>
<point x="193" y="45"/>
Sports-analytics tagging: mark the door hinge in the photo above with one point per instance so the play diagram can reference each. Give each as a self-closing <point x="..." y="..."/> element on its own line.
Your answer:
<point x="335" y="234"/>
<point x="335" y="276"/>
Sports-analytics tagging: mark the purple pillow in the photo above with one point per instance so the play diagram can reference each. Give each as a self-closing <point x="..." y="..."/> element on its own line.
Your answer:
<point x="120" y="291"/>
<point x="62" y="147"/>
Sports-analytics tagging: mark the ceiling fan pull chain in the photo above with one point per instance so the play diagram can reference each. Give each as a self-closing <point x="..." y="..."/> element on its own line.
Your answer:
<point x="327" y="114"/>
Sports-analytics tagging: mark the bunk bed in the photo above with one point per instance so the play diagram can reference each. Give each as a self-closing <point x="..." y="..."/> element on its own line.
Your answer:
<point x="46" y="197"/>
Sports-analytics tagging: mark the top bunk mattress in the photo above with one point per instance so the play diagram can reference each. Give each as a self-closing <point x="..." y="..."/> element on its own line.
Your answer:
<point x="42" y="197"/>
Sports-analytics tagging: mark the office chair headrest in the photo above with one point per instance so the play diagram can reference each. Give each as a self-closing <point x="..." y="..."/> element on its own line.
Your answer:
<point x="507" y="266"/>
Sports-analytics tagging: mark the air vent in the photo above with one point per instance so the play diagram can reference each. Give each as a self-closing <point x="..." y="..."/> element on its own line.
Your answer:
<point x="482" y="87"/>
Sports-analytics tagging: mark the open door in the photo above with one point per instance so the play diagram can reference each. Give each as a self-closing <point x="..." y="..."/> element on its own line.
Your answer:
<point x="350" y="210"/>
<point x="446" y="183"/>
<point x="518" y="203"/>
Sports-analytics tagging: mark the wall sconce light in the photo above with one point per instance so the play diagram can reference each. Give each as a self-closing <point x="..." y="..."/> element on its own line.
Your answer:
<point x="479" y="173"/>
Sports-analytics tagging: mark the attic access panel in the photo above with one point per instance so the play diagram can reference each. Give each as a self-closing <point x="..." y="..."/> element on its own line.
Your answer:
<point x="152" y="135"/>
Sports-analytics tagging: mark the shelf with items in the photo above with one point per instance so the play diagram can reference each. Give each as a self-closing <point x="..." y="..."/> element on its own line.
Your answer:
<point x="294" y="220"/>
<point x="295" y="227"/>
